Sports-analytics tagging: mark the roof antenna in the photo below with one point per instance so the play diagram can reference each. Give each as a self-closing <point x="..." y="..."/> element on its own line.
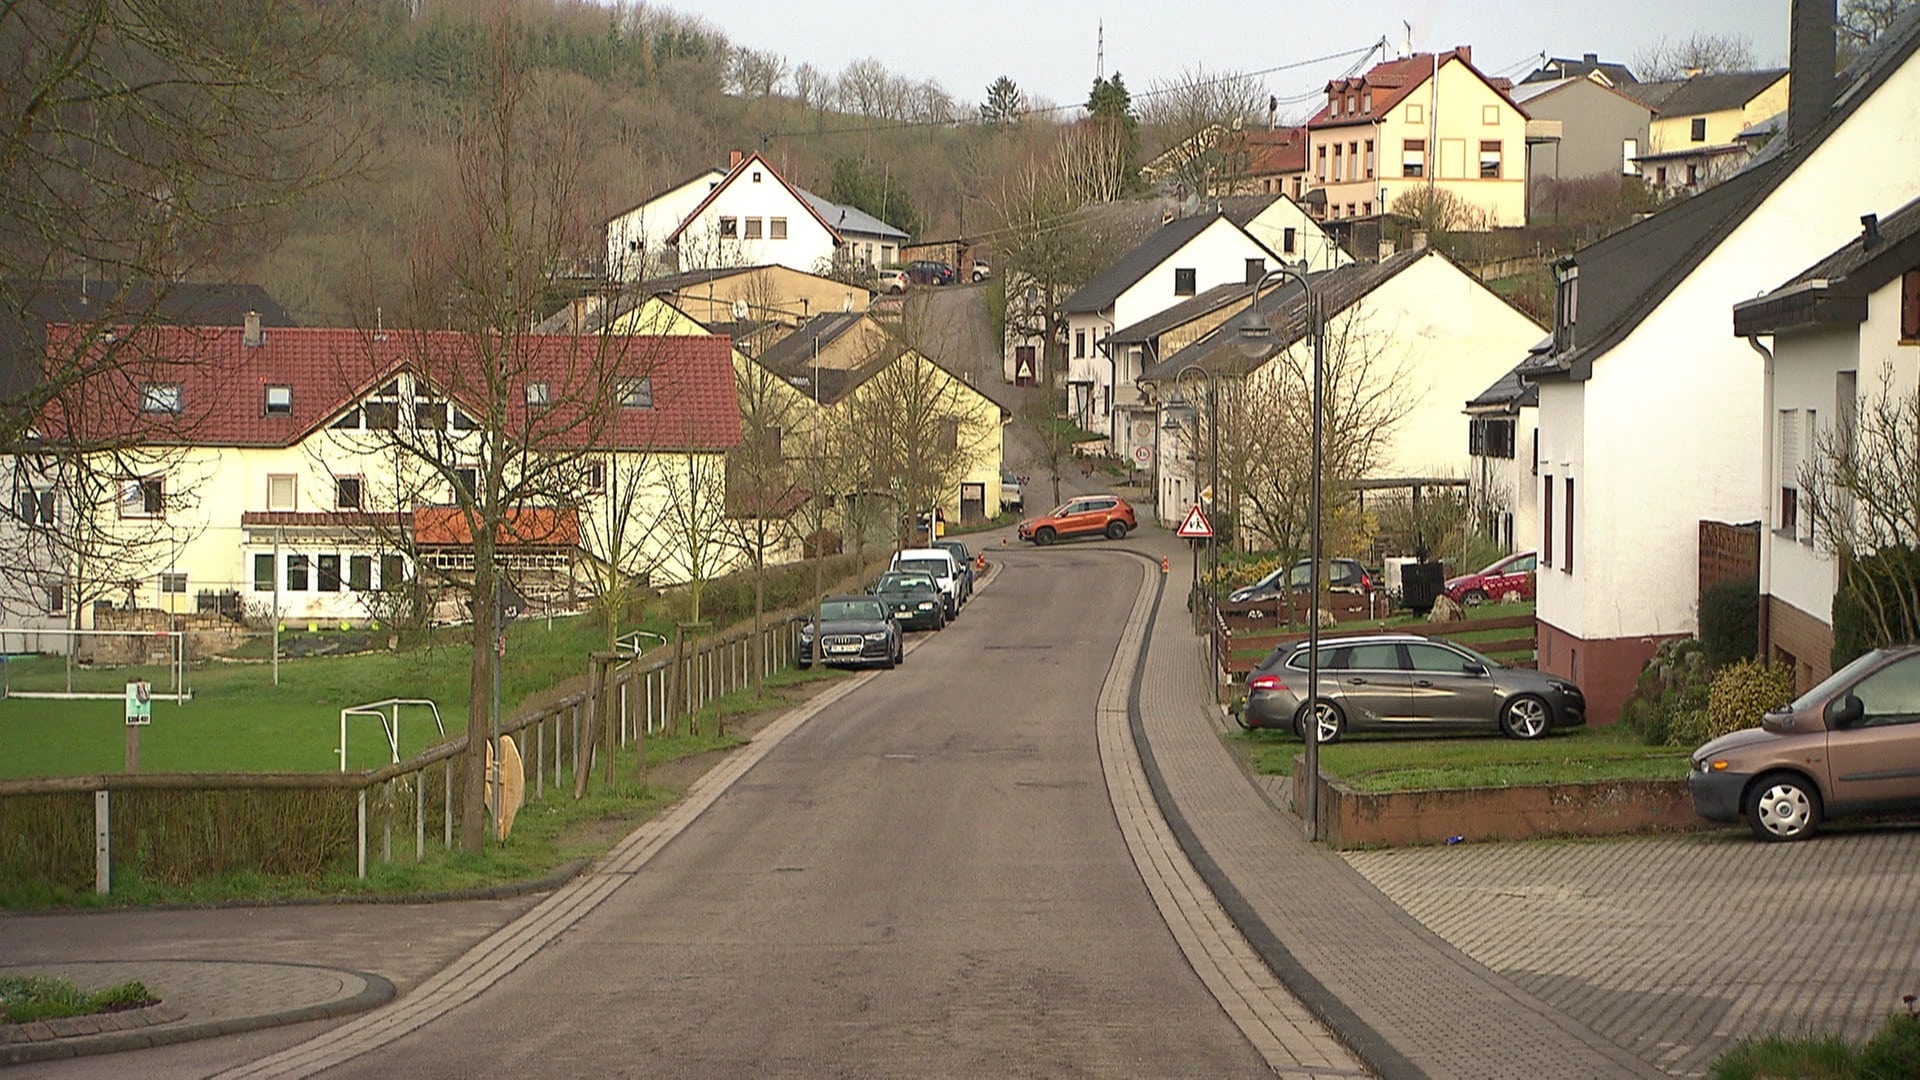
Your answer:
<point x="1100" y="51"/>
<point x="379" y="324"/>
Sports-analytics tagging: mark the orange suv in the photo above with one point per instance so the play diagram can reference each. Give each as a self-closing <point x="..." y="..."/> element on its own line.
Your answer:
<point x="1086" y="515"/>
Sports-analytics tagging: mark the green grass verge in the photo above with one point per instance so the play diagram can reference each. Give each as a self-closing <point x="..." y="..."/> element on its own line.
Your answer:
<point x="547" y="832"/>
<point x="26" y="998"/>
<point x="239" y="721"/>
<point x="1004" y="519"/>
<point x="1388" y="763"/>
<point x="1893" y="1053"/>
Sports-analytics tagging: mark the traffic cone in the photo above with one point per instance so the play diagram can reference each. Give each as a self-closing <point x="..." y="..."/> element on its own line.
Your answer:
<point x="1165" y="566"/>
<point x="980" y="562"/>
<point x="1003" y="541"/>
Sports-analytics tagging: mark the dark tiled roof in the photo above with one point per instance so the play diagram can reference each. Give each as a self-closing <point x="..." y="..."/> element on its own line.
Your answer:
<point x="1562" y="68"/>
<point x="792" y="358"/>
<point x="1705" y="93"/>
<point x="223" y="384"/>
<point x="1836" y="288"/>
<point x="1285" y="310"/>
<point x="1180" y="314"/>
<point x="1512" y="389"/>
<point x="1100" y="293"/>
<point x="1625" y="276"/>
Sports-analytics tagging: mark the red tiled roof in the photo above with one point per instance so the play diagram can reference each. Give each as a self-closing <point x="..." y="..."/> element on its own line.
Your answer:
<point x="533" y="526"/>
<point x="1393" y="80"/>
<point x="224" y="382"/>
<point x="1281" y="150"/>
<point x="323" y="518"/>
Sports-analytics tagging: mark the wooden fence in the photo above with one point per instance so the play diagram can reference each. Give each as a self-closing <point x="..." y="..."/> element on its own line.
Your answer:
<point x="172" y="828"/>
<point x="1245" y="633"/>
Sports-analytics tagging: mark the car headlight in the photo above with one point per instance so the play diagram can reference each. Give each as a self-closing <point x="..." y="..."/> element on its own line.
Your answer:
<point x="926" y="605"/>
<point x="878" y="635"/>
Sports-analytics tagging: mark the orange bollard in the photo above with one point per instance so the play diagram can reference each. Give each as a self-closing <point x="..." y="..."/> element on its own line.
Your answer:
<point x="1003" y="541"/>
<point x="980" y="562"/>
<point x="1165" y="567"/>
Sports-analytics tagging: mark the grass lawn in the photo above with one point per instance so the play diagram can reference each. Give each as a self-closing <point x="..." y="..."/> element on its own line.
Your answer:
<point x="238" y="721"/>
<point x="26" y="998"/>
<point x="1398" y="763"/>
<point x="1893" y="1052"/>
<point x="547" y="833"/>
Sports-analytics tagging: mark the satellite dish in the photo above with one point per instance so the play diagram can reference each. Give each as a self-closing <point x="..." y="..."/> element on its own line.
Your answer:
<point x="739" y="310"/>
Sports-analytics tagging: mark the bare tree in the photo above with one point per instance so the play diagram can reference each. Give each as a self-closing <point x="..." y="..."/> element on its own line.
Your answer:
<point x="1044" y="259"/>
<point x="753" y="73"/>
<point x="1199" y="121"/>
<point x="913" y="428"/>
<point x="763" y="489"/>
<point x="812" y="87"/>
<point x="1451" y="223"/>
<point x="1863" y="21"/>
<point x="1697" y="54"/>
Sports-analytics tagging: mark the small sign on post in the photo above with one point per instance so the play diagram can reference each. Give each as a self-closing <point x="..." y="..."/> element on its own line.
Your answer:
<point x="1196" y="526"/>
<point x="139" y="715"/>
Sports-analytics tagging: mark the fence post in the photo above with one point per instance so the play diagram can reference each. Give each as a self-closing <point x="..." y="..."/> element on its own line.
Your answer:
<point x="102" y="843"/>
<point x="360" y="847"/>
<point x="623" y="713"/>
<point x="446" y="812"/>
<point x="386" y="802"/>
<point x="539" y="757"/>
<point x="419" y="815"/>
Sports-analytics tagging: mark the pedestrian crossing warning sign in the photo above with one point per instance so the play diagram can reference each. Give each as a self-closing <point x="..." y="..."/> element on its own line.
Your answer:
<point x="1196" y="526"/>
<point x="1025" y="370"/>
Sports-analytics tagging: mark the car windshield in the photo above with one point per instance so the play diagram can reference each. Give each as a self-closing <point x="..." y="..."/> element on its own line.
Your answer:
<point x="904" y="582"/>
<point x="1836" y="680"/>
<point x="931" y="567"/>
<point x="851" y="611"/>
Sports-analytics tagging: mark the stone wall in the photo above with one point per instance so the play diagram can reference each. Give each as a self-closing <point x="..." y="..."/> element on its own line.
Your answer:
<point x="207" y="634"/>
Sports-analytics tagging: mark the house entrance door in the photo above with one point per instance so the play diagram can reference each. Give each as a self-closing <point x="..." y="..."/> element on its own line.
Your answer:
<point x="973" y="503"/>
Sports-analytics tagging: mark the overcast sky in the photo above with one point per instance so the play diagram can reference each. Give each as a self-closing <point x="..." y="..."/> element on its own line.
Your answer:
<point x="1048" y="46"/>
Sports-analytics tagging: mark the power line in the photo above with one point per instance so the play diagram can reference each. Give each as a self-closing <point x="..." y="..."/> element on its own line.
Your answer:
<point x="908" y="125"/>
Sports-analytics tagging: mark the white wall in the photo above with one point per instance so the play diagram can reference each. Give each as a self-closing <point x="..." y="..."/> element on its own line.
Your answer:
<point x="636" y="240"/>
<point x="1675" y="408"/>
<point x="1310" y="241"/>
<point x="1509" y="484"/>
<point x="808" y="243"/>
<point x="1561" y="596"/>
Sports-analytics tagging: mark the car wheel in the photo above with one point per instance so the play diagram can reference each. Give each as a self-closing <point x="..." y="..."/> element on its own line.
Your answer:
<point x="1332" y="722"/>
<point x="1116" y="530"/>
<point x="1783" y="806"/>
<point x="1043" y="537"/>
<point x="1526" y="717"/>
<point x="1473" y="597"/>
<point x="940" y="619"/>
<point x="900" y="653"/>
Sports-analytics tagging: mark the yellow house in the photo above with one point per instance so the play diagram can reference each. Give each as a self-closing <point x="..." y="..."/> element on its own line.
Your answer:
<point x="306" y="473"/>
<point x="1695" y="138"/>
<point x="1423" y="121"/>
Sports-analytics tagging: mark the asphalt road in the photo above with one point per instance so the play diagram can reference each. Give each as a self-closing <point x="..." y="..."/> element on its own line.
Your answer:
<point x="926" y="880"/>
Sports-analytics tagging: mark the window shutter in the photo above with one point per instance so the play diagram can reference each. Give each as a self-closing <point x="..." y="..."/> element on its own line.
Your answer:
<point x="1789" y="448"/>
<point x="1910" y="306"/>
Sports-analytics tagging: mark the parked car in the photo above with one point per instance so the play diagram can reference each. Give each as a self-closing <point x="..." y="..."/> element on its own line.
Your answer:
<point x="1012" y="491"/>
<point x="939" y="563"/>
<point x="929" y="272"/>
<point x="1513" y="574"/>
<point x="913" y="598"/>
<point x="1850" y="745"/>
<point x="1345" y="575"/>
<point x="853" y="630"/>
<point x="981" y="271"/>
<point x="1087" y="515"/>
<point x="1404" y="682"/>
<point x="958" y="549"/>
<point x="892" y="280"/>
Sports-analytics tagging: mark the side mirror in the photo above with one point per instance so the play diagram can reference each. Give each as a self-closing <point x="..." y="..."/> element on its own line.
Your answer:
<point x="1845" y="712"/>
<point x="1471" y="667"/>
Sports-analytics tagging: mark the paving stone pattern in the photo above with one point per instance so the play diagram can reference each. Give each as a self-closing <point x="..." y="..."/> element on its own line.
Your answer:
<point x="1416" y="1004"/>
<point x="1675" y="947"/>
<point x="1291" y="1040"/>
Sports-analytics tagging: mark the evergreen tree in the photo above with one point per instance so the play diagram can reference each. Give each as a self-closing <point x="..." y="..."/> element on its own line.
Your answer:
<point x="1004" y="103"/>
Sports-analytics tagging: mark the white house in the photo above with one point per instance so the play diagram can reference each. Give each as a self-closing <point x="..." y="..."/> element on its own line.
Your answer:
<point x="1184" y="258"/>
<point x="1846" y="345"/>
<point x="1649" y="410"/>
<point x="1287" y="230"/>
<point x="1421" y="325"/>
<point x="637" y="237"/>
<point x="1503" y="426"/>
<point x="753" y="217"/>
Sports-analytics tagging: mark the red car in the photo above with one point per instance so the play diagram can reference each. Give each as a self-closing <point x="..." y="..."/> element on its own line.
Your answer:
<point x="1513" y="574"/>
<point x="1088" y="515"/>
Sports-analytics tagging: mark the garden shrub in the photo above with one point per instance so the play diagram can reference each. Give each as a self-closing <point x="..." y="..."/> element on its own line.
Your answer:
<point x="1894" y="1051"/>
<point x="1730" y="622"/>
<point x="1877" y="604"/>
<point x="1671" y="693"/>
<point x="1744" y="692"/>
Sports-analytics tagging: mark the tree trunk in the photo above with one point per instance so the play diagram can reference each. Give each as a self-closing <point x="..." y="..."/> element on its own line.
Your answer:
<point x="759" y="650"/>
<point x="473" y="816"/>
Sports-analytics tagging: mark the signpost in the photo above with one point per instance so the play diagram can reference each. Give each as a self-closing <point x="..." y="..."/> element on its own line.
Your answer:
<point x="1197" y="527"/>
<point x="139" y="715"/>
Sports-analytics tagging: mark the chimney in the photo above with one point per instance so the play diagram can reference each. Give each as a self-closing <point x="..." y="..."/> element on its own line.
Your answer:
<point x="577" y="315"/>
<point x="1590" y="59"/>
<point x="1869" y="231"/>
<point x="1256" y="269"/>
<point x="1464" y="52"/>
<point x="1810" y="46"/>
<point x="734" y="160"/>
<point x="1273" y="111"/>
<point x="1420" y="240"/>
<point x="252" y="336"/>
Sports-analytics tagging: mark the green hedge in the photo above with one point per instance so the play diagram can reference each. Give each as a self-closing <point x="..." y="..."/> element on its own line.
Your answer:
<point x="1882" y="588"/>
<point x="1730" y="622"/>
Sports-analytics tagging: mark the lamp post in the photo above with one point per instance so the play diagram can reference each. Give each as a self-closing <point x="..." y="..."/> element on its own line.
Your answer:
<point x="1213" y="486"/>
<point x="1254" y="337"/>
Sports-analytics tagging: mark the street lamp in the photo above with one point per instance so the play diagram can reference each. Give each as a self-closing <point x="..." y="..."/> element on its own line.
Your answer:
<point x="1254" y="337"/>
<point x="1179" y="401"/>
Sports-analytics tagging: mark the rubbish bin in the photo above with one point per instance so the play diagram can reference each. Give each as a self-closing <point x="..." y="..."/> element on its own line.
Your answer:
<point x="1421" y="584"/>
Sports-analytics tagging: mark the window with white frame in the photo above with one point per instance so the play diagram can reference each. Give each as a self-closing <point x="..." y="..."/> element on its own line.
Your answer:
<point x="539" y="395"/>
<point x="56" y="598"/>
<point x="162" y="398"/>
<point x="174" y="584"/>
<point x="281" y="491"/>
<point x="634" y="393"/>
<point x="729" y="228"/>
<point x="1413" y="157"/>
<point x="777" y="228"/>
<point x="36" y="507"/>
<point x="279" y="400"/>
<point x="1787" y="509"/>
<point x="1490" y="159"/>
<point x="348" y="492"/>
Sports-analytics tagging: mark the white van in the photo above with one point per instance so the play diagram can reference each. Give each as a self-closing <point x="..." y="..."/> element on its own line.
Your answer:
<point x="938" y="562"/>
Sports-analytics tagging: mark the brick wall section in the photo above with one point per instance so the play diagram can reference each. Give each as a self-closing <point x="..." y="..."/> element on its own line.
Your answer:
<point x="1605" y="670"/>
<point x="1728" y="553"/>
<point x="1802" y="640"/>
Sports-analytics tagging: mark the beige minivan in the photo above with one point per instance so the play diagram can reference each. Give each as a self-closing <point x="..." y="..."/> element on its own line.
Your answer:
<point x="1848" y="746"/>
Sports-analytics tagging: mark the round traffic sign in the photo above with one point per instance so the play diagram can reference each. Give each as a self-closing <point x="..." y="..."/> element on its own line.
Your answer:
<point x="1142" y="454"/>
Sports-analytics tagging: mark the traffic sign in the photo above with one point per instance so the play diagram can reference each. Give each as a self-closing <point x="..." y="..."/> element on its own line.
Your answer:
<point x="1196" y="526"/>
<point x="1142" y="454"/>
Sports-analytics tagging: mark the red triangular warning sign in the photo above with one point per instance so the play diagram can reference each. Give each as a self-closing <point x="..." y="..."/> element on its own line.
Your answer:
<point x="1196" y="526"/>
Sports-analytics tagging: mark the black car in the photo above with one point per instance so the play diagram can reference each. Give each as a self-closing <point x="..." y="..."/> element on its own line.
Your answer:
<point x="913" y="598"/>
<point x="965" y="559"/>
<point x="929" y="272"/>
<point x="854" y="630"/>
<point x="1338" y="575"/>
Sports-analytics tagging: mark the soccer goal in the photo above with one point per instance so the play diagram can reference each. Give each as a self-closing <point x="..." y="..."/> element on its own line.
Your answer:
<point x="93" y="665"/>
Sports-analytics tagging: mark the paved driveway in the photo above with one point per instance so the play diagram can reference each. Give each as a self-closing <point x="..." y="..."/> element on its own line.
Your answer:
<point x="1675" y="947"/>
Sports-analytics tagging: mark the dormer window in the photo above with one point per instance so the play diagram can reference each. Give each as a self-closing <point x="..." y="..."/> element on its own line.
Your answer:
<point x="1334" y="106"/>
<point x="634" y="393"/>
<point x="1366" y="101"/>
<point x="161" y="398"/>
<point x="1566" y="306"/>
<point x="1350" y="104"/>
<point x="539" y="395"/>
<point x="279" y="400"/>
